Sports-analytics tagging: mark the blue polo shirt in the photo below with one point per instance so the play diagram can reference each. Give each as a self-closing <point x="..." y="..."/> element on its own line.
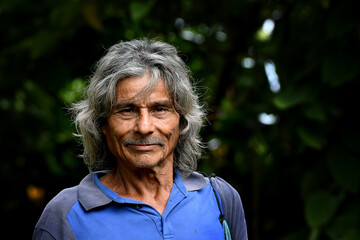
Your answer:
<point x="93" y="211"/>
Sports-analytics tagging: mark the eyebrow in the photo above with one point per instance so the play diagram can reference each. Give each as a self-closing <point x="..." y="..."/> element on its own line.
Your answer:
<point x="120" y="105"/>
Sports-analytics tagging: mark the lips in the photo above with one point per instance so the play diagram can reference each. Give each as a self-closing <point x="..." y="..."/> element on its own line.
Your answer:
<point x="144" y="144"/>
<point x="141" y="147"/>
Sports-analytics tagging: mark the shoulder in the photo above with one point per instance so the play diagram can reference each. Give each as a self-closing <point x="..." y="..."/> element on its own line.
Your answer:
<point x="53" y="221"/>
<point x="63" y="201"/>
<point x="226" y="191"/>
<point x="232" y="208"/>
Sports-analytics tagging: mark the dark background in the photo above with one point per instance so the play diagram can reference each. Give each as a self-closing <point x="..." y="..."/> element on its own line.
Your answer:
<point x="287" y="138"/>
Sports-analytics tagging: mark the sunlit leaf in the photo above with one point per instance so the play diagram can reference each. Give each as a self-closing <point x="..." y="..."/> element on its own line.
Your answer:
<point x="72" y="91"/>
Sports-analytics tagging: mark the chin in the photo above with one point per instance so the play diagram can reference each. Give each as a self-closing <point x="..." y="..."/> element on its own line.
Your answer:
<point x="149" y="163"/>
<point x="148" y="160"/>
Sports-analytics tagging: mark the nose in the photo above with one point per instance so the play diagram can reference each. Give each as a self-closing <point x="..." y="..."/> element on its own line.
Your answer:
<point x="144" y="124"/>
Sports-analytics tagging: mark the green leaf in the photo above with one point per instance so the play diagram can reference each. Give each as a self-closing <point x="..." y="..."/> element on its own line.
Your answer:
<point x="313" y="179"/>
<point x="311" y="139"/>
<point x="138" y="9"/>
<point x="314" y="234"/>
<point x="316" y="112"/>
<point x="344" y="168"/>
<point x="345" y="223"/>
<point x="319" y="208"/>
<point x="73" y="91"/>
<point x="291" y="97"/>
<point x="258" y="143"/>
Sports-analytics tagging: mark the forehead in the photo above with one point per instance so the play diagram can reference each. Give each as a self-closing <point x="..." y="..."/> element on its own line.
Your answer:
<point x="136" y="89"/>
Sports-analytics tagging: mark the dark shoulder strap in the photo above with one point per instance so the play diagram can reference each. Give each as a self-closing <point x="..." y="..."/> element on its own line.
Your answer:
<point x="232" y="208"/>
<point x="222" y="216"/>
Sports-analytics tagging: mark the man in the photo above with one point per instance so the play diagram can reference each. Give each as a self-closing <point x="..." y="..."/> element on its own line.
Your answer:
<point x="140" y="126"/>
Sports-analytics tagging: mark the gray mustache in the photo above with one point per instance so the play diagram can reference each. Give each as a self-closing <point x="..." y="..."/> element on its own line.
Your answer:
<point x="143" y="141"/>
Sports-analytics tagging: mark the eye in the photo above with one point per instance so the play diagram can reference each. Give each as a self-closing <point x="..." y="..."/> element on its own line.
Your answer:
<point x="126" y="111"/>
<point x="160" y="109"/>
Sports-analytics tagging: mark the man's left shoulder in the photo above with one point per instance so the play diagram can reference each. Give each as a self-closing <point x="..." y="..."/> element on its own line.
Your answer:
<point x="232" y="208"/>
<point x="226" y="190"/>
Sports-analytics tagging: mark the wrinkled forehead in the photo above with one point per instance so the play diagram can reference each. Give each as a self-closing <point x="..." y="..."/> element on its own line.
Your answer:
<point x="140" y="88"/>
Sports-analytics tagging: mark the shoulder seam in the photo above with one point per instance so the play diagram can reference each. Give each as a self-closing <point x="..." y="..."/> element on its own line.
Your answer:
<point x="44" y="230"/>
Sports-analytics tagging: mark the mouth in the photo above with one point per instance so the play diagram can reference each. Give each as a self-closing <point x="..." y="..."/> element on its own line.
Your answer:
<point x="146" y="144"/>
<point x="143" y="147"/>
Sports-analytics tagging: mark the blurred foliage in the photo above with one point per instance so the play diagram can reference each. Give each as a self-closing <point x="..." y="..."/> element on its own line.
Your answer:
<point x="279" y="77"/>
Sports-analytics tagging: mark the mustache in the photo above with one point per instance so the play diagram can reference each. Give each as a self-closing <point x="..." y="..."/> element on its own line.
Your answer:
<point x="143" y="141"/>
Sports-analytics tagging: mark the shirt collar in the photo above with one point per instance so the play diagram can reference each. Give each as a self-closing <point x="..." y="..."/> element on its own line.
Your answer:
<point x="91" y="196"/>
<point x="193" y="182"/>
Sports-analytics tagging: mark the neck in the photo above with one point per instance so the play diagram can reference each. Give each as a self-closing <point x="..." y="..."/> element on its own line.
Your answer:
<point x="151" y="186"/>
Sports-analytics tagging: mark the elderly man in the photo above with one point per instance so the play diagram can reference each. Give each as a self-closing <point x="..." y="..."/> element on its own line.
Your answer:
<point x="140" y="126"/>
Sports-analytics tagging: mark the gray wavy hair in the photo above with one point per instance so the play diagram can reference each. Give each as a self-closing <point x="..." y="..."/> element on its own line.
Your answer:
<point x="135" y="59"/>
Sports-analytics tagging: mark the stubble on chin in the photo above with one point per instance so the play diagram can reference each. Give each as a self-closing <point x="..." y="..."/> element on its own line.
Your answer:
<point x="148" y="160"/>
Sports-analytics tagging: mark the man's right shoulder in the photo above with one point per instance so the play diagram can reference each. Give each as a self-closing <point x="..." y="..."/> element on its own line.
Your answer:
<point x="53" y="222"/>
<point x="63" y="201"/>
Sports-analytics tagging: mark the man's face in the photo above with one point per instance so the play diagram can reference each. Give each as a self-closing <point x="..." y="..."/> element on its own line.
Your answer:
<point x="142" y="132"/>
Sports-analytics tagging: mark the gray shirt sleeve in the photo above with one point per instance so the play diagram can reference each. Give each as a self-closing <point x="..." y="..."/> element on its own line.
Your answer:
<point x="233" y="209"/>
<point x="42" y="234"/>
<point x="53" y="222"/>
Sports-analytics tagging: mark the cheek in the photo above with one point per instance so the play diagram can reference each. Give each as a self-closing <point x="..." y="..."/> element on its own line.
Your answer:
<point x="114" y="134"/>
<point x="119" y="127"/>
<point x="173" y="130"/>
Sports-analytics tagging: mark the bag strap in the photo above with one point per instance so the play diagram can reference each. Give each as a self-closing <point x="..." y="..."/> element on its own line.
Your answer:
<point x="222" y="216"/>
